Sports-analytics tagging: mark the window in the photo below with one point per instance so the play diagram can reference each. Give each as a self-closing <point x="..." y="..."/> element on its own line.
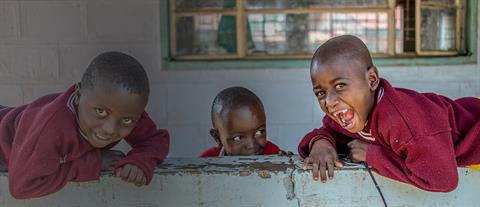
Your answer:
<point x="293" y="29"/>
<point x="439" y="24"/>
<point x="206" y="34"/>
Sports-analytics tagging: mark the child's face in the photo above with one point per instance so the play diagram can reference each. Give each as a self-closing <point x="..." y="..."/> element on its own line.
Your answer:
<point x="107" y="114"/>
<point x="242" y="131"/>
<point x="345" y="91"/>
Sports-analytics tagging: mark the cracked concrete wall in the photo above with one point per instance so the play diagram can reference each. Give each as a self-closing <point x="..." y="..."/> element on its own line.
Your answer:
<point x="262" y="181"/>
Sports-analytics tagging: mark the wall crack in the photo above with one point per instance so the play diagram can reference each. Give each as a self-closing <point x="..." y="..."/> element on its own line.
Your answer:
<point x="289" y="183"/>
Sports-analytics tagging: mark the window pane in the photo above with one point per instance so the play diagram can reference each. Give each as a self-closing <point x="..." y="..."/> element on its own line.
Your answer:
<point x="438" y="29"/>
<point x="204" y="4"/>
<point x="282" y="4"/>
<point x="206" y="34"/>
<point x="405" y="16"/>
<point x="303" y="33"/>
<point x="439" y="1"/>
<point x="399" y="29"/>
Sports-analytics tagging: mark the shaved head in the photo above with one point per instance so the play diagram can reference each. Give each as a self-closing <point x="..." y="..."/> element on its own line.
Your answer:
<point x="342" y="48"/>
<point x="344" y="81"/>
<point x="233" y="98"/>
<point x="118" y="69"/>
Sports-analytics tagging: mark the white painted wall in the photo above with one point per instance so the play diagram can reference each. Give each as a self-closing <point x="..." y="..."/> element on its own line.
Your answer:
<point x="267" y="181"/>
<point x="46" y="44"/>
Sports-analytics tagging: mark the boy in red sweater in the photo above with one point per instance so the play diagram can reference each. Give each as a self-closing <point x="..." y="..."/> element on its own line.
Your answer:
<point x="67" y="137"/>
<point x="239" y="125"/>
<point x="415" y="138"/>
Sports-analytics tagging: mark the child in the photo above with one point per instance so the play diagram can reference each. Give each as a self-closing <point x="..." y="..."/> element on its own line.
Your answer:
<point x="66" y="137"/>
<point x="415" y="138"/>
<point x="239" y="125"/>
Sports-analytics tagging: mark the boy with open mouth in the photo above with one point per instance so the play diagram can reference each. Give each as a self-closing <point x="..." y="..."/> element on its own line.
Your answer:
<point x="415" y="138"/>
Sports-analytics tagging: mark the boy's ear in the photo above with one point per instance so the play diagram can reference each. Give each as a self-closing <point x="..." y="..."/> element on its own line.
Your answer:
<point x="214" y="134"/>
<point x="77" y="92"/>
<point x="373" y="78"/>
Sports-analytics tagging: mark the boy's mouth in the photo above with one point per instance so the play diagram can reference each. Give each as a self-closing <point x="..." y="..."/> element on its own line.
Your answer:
<point x="344" y="117"/>
<point x="101" y="140"/>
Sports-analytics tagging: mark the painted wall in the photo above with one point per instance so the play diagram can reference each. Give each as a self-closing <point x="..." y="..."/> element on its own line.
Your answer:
<point x="46" y="44"/>
<point x="244" y="181"/>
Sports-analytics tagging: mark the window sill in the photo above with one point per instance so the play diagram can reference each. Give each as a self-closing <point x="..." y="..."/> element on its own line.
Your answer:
<point x="305" y="63"/>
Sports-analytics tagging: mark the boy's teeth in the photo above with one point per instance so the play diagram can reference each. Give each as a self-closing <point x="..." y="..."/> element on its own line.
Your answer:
<point x="341" y="115"/>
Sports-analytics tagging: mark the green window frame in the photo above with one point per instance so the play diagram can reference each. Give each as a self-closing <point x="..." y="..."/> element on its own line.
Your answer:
<point x="469" y="44"/>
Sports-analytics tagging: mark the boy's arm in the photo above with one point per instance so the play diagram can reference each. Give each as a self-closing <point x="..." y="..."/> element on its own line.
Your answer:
<point x="149" y="146"/>
<point x="36" y="168"/>
<point x="307" y="141"/>
<point x="328" y="131"/>
<point x="427" y="162"/>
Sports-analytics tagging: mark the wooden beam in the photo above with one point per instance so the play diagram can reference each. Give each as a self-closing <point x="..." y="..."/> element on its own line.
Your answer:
<point x="207" y="57"/>
<point x="195" y="13"/>
<point x="391" y="27"/>
<point x="458" y="24"/>
<point x="173" y="29"/>
<point x="315" y="10"/>
<point x="438" y="5"/>
<point x="241" y="29"/>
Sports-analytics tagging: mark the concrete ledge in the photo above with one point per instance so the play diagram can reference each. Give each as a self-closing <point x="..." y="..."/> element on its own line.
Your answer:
<point x="248" y="181"/>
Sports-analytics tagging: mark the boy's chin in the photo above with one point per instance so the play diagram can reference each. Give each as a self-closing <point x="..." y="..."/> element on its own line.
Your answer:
<point x="97" y="144"/>
<point x="354" y="127"/>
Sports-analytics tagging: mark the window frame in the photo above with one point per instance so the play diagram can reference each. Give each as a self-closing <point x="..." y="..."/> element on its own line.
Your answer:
<point x="168" y="62"/>
<point x="420" y="4"/>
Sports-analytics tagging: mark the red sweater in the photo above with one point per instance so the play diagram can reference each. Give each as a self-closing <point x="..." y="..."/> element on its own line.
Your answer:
<point x="41" y="146"/>
<point x="415" y="138"/>
<point x="269" y="149"/>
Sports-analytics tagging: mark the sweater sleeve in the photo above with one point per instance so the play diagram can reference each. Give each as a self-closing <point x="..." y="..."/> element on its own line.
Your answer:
<point x="427" y="162"/>
<point x="211" y="152"/>
<point x="149" y="147"/>
<point x="36" y="168"/>
<point x="270" y="149"/>
<point x="328" y="131"/>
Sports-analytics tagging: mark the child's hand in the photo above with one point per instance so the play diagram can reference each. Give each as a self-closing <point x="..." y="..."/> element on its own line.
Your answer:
<point x="132" y="174"/>
<point x="285" y="153"/>
<point x="110" y="158"/>
<point x="358" y="150"/>
<point x="323" y="157"/>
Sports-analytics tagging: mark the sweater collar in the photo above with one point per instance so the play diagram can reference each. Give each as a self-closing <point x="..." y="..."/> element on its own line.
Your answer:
<point x="366" y="132"/>
<point x="73" y="108"/>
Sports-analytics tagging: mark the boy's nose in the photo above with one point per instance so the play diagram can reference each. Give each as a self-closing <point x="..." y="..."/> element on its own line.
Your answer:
<point x="250" y="144"/>
<point x="331" y="100"/>
<point x="109" y="128"/>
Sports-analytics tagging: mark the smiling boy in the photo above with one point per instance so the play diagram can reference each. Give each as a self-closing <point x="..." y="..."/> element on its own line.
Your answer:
<point x="67" y="137"/>
<point x="415" y="138"/>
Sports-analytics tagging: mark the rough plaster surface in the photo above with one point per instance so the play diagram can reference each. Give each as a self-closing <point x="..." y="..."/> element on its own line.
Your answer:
<point x="248" y="181"/>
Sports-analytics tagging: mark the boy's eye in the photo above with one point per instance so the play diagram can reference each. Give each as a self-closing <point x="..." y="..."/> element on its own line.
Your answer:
<point x="236" y="138"/>
<point x="127" y="121"/>
<point x="320" y="94"/>
<point x="101" y="112"/>
<point x="340" y="86"/>
<point x="259" y="132"/>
